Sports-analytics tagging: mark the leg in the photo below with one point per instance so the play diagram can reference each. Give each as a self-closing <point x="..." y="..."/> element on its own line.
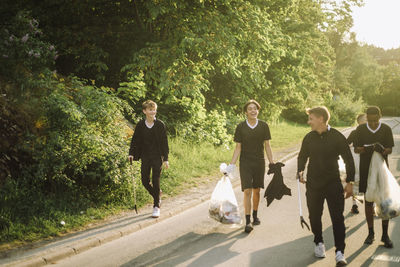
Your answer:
<point x="256" y="198"/>
<point x="156" y="173"/>
<point x="315" y="204"/>
<point x="247" y="201"/>
<point x="369" y="215"/>
<point x="335" y="200"/>
<point x="256" y="201"/>
<point x="145" y="173"/>
<point x="385" y="236"/>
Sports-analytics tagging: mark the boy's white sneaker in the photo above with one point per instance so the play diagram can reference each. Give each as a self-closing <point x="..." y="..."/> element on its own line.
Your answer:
<point x="340" y="259"/>
<point x="319" y="250"/>
<point x="156" y="212"/>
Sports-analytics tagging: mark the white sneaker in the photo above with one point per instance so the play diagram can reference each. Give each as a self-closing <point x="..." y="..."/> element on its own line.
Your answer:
<point x="156" y="212"/>
<point x="340" y="259"/>
<point x="319" y="250"/>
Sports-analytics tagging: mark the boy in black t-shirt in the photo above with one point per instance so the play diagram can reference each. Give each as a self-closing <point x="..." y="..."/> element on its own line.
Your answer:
<point x="369" y="137"/>
<point x="150" y="144"/>
<point x="251" y="137"/>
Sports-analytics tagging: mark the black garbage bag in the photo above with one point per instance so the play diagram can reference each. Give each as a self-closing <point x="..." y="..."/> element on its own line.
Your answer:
<point x="276" y="188"/>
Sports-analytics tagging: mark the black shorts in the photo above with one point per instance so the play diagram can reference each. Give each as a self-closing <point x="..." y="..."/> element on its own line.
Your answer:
<point x="252" y="173"/>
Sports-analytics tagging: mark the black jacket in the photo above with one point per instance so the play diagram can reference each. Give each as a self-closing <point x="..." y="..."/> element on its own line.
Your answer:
<point x="322" y="151"/>
<point x="136" y="148"/>
<point x="276" y="188"/>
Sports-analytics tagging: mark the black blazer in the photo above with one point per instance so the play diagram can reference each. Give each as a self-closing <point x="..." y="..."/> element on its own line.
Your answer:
<point x="136" y="148"/>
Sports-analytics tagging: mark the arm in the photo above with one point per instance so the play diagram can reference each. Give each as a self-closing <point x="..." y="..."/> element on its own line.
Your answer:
<point x="134" y="145"/>
<point x="350" y="168"/>
<point x="236" y="153"/>
<point x="268" y="150"/>
<point x="388" y="149"/>
<point x="302" y="160"/>
<point x="165" y="147"/>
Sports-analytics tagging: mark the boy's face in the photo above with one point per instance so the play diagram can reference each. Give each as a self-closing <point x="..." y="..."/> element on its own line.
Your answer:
<point x="315" y="122"/>
<point x="373" y="121"/>
<point x="150" y="112"/>
<point x="362" y="120"/>
<point x="252" y="111"/>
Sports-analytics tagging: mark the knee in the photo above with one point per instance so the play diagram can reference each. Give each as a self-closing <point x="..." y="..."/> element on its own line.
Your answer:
<point x="247" y="192"/>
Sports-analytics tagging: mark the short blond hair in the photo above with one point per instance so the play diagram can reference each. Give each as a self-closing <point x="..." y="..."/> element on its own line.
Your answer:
<point x="251" y="101"/>
<point x="320" y="111"/>
<point x="149" y="104"/>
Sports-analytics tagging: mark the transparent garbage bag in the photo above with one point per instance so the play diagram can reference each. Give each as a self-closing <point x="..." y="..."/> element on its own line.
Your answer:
<point x="382" y="188"/>
<point x="223" y="205"/>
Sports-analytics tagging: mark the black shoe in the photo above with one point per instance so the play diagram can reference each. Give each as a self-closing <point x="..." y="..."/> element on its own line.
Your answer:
<point x="354" y="209"/>
<point x="387" y="242"/>
<point x="370" y="238"/>
<point x="248" y="228"/>
<point x="256" y="221"/>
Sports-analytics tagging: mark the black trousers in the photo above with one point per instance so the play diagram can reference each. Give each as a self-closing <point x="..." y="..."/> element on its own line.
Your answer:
<point x="333" y="193"/>
<point x="152" y="165"/>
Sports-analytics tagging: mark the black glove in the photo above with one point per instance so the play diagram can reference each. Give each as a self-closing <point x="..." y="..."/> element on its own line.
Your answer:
<point x="378" y="148"/>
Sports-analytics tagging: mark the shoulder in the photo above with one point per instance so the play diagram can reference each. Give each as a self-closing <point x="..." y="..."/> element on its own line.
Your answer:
<point x="385" y="126"/>
<point x="338" y="133"/>
<point x="140" y="124"/>
<point x="159" y="122"/>
<point x="263" y="123"/>
<point x="361" y="127"/>
<point x="309" y="135"/>
<point x="241" y="125"/>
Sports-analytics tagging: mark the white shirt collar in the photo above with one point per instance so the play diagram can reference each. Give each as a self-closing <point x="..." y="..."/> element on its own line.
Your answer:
<point x="149" y="125"/>
<point x="252" y="127"/>
<point x="374" y="131"/>
<point x="329" y="127"/>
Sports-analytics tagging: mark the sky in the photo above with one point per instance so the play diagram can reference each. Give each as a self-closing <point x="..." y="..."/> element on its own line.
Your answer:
<point x="378" y="23"/>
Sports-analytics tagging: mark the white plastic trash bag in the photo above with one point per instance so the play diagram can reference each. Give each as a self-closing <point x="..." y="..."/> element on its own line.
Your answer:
<point x="223" y="205"/>
<point x="383" y="188"/>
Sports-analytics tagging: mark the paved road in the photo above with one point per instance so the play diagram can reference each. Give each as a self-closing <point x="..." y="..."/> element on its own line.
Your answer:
<point x="192" y="239"/>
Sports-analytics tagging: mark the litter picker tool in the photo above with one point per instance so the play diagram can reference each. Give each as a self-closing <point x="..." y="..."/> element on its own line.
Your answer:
<point x="134" y="188"/>
<point x="302" y="221"/>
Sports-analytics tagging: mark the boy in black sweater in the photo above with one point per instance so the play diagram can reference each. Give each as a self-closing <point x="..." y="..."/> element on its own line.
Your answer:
<point x="322" y="147"/>
<point x="150" y="144"/>
<point x="373" y="132"/>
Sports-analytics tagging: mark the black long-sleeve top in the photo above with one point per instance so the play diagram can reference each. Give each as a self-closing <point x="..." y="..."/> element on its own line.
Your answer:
<point x="322" y="151"/>
<point x="138" y="148"/>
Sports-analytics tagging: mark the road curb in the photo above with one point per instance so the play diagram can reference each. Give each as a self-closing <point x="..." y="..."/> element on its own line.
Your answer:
<point x="53" y="255"/>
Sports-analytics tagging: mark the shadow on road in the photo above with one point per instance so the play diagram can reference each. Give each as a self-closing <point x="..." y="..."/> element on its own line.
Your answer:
<point x="177" y="252"/>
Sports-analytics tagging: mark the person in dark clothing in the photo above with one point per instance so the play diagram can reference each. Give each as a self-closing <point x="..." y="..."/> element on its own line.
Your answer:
<point x="361" y="119"/>
<point x="150" y="145"/>
<point x="322" y="147"/>
<point x="251" y="137"/>
<point x="369" y="137"/>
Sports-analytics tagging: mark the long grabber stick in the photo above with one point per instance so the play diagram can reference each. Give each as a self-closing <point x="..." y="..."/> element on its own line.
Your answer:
<point x="302" y="221"/>
<point x="134" y="188"/>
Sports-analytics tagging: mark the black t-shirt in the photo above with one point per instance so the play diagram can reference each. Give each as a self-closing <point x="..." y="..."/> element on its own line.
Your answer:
<point x="365" y="137"/>
<point x="252" y="140"/>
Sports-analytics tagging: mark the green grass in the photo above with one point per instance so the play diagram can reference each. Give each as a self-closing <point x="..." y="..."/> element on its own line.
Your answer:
<point x="285" y="134"/>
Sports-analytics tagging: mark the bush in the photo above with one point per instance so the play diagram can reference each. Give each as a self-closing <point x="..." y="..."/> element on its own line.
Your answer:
<point x="344" y="109"/>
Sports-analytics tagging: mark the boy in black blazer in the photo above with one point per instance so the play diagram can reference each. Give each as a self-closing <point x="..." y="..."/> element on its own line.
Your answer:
<point x="150" y="144"/>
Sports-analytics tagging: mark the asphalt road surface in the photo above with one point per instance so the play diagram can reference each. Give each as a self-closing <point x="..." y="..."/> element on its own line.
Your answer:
<point x="193" y="239"/>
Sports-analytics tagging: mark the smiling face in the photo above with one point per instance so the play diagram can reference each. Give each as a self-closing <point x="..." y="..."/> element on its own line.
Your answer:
<point x="252" y="112"/>
<point x="373" y="121"/>
<point x="315" y="122"/>
<point x="150" y="112"/>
